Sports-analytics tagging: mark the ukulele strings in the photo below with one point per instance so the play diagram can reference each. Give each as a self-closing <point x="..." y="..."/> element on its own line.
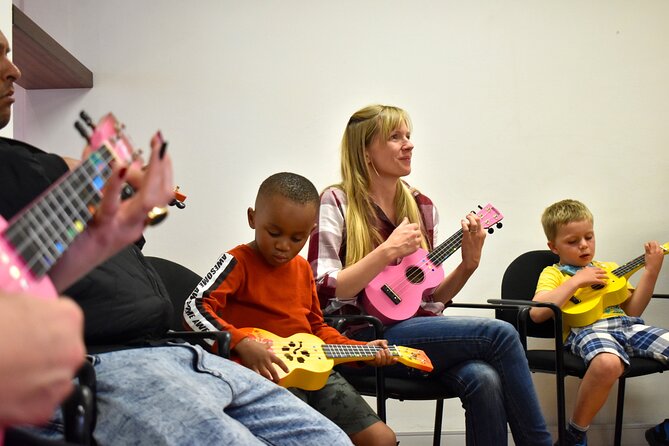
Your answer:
<point x="354" y="350"/>
<point x="437" y="256"/>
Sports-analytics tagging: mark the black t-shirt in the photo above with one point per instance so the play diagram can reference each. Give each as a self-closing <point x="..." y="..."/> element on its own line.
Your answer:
<point x="25" y="171"/>
<point x="123" y="300"/>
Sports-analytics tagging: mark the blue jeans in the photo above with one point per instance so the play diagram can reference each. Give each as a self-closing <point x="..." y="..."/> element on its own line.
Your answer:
<point x="182" y="395"/>
<point x="483" y="362"/>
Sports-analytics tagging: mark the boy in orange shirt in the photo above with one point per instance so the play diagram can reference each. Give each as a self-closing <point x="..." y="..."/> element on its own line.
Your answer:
<point x="265" y="284"/>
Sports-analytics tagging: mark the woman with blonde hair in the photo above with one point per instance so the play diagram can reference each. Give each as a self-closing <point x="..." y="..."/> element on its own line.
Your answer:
<point x="373" y="218"/>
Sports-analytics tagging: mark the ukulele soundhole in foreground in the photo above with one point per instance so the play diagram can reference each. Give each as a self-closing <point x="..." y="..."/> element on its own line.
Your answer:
<point x="415" y="274"/>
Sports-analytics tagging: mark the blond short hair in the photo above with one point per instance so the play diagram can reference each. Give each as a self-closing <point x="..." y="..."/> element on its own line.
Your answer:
<point x="561" y="213"/>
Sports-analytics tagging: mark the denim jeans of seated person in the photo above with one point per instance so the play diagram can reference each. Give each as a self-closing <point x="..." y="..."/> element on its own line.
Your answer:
<point x="483" y="362"/>
<point x="181" y="395"/>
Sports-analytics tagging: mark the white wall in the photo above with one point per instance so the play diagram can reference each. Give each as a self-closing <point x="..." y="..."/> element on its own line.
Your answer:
<point x="519" y="103"/>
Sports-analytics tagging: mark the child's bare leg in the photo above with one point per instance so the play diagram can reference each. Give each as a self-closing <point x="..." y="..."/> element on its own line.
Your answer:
<point x="378" y="434"/>
<point x="603" y="372"/>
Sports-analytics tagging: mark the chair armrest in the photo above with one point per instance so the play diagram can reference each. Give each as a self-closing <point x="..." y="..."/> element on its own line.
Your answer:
<point x="342" y="321"/>
<point x="79" y="409"/>
<point x="221" y="338"/>
<point x="523" y="317"/>
<point x="526" y="303"/>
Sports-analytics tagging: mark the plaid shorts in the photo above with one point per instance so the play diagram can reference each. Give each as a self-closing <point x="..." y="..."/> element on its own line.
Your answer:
<point x="623" y="336"/>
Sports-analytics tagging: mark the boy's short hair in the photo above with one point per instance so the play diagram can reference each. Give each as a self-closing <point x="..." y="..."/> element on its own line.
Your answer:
<point x="561" y="213"/>
<point x="289" y="185"/>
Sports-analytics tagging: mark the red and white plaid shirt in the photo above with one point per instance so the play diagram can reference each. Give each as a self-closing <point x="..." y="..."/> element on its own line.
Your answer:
<point x="327" y="248"/>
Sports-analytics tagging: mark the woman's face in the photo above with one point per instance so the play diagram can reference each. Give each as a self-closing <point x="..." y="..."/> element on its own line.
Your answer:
<point x="391" y="157"/>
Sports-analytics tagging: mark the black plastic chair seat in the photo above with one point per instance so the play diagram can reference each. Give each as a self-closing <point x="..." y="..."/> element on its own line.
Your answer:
<point x="401" y="388"/>
<point x="544" y="361"/>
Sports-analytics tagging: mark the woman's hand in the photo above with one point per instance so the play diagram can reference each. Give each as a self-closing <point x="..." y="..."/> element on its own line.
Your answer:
<point x="117" y="223"/>
<point x="121" y="222"/>
<point x="473" y="236"/>
<point x="404" y="240"/>
<point x="259" y="357"/>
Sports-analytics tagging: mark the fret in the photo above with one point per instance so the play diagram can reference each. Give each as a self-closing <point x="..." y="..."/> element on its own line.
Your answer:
<point x="629" y="266"/>
<point x="77" y="214"/>
<point x="445" y="249"/>
<point x="64" y="211"/>
<point x="354" y="351"/>
<point x="45" y="254"/>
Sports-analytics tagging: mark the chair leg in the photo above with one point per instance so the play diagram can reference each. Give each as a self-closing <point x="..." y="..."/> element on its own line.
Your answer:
<point x="380" y="394"/>
<point x="562" y="419"/>
<point x="619" y="412"/>
<point x="438" y="415"/>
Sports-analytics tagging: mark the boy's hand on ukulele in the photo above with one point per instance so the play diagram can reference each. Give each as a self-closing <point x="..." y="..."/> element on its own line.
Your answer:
<point x="383" y="356"/>
<point x="589" y="276"/>
<point x="404" y="240"/>
<point x="654" y="256"/>
<point x="259" y="357"/>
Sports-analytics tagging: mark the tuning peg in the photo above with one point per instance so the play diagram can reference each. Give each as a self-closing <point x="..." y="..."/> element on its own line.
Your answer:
<point x="499" y="225"/>
<point x="491" y="230"/>
<point x="87" y="119"/>
<point x="127" y="191"/>
<point x="479" y="206"/>
<point x="177" y="203"/>
<point x="82" y="131"/>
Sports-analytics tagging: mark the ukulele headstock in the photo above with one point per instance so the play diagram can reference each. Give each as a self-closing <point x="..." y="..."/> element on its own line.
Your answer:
<point x="490" y="217"/>
<point x="414" y="358"/>
<point x="108" y="133"/>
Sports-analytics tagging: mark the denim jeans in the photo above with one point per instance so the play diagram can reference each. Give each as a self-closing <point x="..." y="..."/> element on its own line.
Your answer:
<point x="483" y="362"/>
<point x="181" y="395"/>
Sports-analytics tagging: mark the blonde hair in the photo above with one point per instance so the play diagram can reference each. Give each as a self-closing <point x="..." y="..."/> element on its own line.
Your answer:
<point x="561" y="213"/>
<point x="365" y="124"/>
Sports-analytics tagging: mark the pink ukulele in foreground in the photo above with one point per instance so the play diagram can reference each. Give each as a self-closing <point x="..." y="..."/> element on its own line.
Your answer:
<point x="32" y="241"/>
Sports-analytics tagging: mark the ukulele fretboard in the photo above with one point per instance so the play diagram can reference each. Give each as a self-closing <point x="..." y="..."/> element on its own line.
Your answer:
<point x="445" y="249"/>
<point x="41" y="234"/>
<point x="334" y="351"/>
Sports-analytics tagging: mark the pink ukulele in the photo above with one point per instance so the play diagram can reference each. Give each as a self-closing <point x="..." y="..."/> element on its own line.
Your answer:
<point x="396" y="293"/>
<point x="32" y="241"/>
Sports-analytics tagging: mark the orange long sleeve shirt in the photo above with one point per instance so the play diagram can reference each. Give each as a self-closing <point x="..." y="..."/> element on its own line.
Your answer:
<point x="242" y="290"/>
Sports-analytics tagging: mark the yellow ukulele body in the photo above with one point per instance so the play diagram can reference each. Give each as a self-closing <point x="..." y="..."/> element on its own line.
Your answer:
<point x="588" y="303"/>
<point x="310" y="360"/>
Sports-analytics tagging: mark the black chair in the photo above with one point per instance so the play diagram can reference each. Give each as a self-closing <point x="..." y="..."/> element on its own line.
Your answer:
<point x="383" y="387"/>
<point x="78" y="416"/>
<point x="518" y="287"/>
<point x="409" y="389"/>
<point x="180" y="283"/>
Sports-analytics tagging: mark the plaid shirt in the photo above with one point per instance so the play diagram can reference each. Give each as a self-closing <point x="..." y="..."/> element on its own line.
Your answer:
<point x="327" y="248"/>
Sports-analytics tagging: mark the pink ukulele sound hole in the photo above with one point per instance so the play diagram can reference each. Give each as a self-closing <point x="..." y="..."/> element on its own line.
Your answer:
<point x="414" y="274"/>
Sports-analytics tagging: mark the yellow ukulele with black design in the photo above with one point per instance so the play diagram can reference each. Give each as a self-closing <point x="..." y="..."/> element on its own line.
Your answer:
<point x="588" y="303"/>
<point x="310" y="360"/>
